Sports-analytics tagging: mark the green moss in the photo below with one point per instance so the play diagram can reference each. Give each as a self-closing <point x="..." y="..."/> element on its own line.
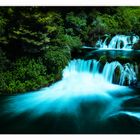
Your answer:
<point x="26" y="74"/>
<point x="103" y="59"/>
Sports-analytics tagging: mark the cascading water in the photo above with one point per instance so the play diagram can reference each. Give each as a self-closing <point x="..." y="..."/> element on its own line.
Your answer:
<point x="120" y="42"/>
<point x="83" y="88"/>
<point x="92" y="66"/>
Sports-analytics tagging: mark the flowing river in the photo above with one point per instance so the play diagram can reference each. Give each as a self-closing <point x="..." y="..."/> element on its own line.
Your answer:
<point x="91" y="98"/>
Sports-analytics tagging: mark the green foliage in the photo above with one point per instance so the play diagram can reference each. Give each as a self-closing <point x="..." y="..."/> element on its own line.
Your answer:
<point x="3" y="21"/>
<point x="77" y="21"/>
<point x="70" y="41"/>
<point x="36" y="43"/>
<point x="27" y="74"/>
<point x="2" y="24"/>
<point x="29" y="68"/>
<point x="103" y="59"/>
<point x="3" y="61"/>
<point x="31" y="29"/>
<point x="105" y="24"/>
<point x="55" y="59"/>
<point x="127" y="18"/>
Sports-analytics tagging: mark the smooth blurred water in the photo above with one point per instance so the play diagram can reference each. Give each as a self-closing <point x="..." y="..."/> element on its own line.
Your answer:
<point x="119" y="42"/>
<point x="84" y="101"/>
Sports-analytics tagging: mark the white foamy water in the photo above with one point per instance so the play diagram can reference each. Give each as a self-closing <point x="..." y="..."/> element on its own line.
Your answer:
<point x="81" y="81"/>
<point x="119" y="42"/>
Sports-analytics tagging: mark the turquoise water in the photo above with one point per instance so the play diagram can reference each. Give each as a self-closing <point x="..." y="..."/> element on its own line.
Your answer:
<point x="84" y="101"/>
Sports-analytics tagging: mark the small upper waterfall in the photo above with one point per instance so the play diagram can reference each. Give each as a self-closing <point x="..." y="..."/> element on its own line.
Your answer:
<point x="118" y="42"/>
<point x="111" y="72"/>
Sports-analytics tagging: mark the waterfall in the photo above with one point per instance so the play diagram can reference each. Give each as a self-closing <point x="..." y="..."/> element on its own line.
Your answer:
<point x="109" y="69"/>
<point x="76" y="66"/>
<point x="86" y="86"/>
<point x="127" y="73"/>
<point x="118" y="42"/>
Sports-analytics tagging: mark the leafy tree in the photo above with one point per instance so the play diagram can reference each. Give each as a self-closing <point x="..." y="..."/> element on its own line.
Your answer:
<point x="4" y="62"/>
<point x="55" y="60"/>
<point x="127" y="17"/>
<point x="36" y="43"/>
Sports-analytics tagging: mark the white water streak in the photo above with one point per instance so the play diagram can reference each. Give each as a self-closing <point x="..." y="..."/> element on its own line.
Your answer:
<point x="81" y="82"/>
<point x="119" y="42"/>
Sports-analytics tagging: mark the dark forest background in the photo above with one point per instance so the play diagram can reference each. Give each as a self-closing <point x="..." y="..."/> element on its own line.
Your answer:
<point x="36" y="43"/>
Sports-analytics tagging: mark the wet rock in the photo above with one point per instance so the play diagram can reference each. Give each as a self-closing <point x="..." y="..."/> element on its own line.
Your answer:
<point x="116" y="76"/>
<point x="103" y="59"/>
<point x="137" y="46"/>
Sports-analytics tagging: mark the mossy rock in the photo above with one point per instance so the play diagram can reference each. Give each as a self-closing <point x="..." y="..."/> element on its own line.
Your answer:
<point x="108" y="40"/>
<point x="126" y="82"/>
<point x="103" y="59"/>
<point x="137" y="46"/>
<point x="116" y="76"/>
<point x="121" y="44"/>
<point x="123" y="59"/>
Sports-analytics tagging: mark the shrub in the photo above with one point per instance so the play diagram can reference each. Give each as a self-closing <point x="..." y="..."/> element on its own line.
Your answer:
<point x="55" y="60"/>
<point x="3" y="61"/>
<point x="73" y="42"/>
<point x="105" y="24"/>
<point x="27" y="74"/>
